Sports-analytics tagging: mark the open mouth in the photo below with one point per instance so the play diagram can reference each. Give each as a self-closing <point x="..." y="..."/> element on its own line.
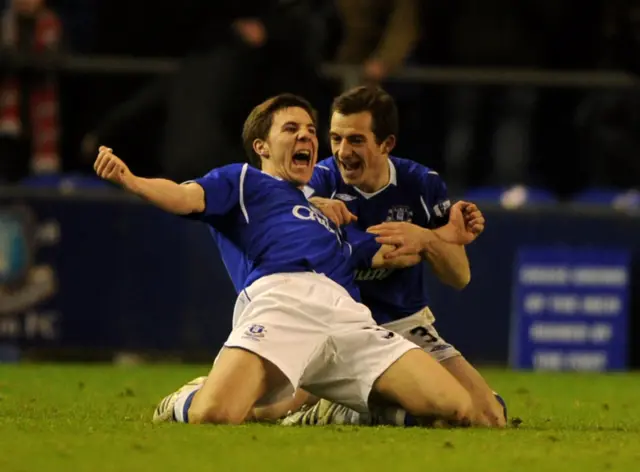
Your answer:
<point x="302" y="158"/>
<point x="351" y="165"/>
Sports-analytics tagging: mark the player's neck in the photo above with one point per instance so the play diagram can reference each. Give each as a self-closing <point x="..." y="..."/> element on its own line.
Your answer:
<point x="273" y="173"/>
<point x="380" y="178"/>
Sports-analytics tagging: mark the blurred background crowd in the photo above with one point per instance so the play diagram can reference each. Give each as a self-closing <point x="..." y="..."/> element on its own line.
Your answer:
<point x="228" y="56"/>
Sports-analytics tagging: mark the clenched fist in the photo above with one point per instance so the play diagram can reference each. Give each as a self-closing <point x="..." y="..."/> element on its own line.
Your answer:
<point x="467" y="222"/>
<point x="110" y="167"/>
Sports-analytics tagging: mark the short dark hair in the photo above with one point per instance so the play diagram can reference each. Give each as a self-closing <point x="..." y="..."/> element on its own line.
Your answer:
<point x="381" y="105"/>
<point x="259" y="122"/>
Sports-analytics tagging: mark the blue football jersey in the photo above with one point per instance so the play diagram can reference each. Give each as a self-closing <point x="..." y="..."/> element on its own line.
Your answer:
<point x="415" y="194"/>
<point x="263" y="225"/>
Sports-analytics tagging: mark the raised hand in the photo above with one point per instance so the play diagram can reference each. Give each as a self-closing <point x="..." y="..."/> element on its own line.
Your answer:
<point x="110" y="167"/>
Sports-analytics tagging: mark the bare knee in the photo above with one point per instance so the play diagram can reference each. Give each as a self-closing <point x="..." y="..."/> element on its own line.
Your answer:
<point x="494" y="420"/>
<point x="487" y="411"/>
<point x="282" y="408"/>
<point x="216" y="408"/>
<point x="454" y="407"/>
<point x="425" y="389"/>
<point x="216" y="412"/>
<point x="490" y="413"/>
<point x="457" y="408"/>
<point x="464" y="410"/>
<point x="239" y="371"/>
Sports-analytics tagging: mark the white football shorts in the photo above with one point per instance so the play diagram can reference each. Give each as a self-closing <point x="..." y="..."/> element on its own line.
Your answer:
<point x="418" y="328"/>
<point x="317" y="335"/>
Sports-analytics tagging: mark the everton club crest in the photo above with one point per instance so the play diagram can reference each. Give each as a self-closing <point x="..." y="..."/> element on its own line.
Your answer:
<point x="400" y="213"/>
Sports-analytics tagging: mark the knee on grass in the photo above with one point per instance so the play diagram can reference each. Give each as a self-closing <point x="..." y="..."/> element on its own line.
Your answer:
<point x="216" y="412"/>
<point x="490" y="411"/>
<point x="456" y="409"/>
<point x="497" y="414"/>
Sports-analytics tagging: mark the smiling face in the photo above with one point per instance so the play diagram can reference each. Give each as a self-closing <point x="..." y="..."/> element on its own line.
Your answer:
<point x="291" y="148"/>
<point x="364" y="125"/>
<point x="361" y="159"/>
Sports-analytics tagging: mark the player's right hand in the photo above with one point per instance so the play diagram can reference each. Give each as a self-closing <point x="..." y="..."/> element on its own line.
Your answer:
<point x="335" y="210"/>
<point x="110" y="167"/>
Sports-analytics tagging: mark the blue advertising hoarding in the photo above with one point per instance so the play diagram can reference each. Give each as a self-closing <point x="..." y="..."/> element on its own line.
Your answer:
<point x="28" y="284"/>
<point x="570" y="309"/>
<point x="110" y="273"/>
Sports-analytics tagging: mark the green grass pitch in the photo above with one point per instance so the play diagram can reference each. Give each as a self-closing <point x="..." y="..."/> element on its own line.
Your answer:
<point x="97" y="418"/>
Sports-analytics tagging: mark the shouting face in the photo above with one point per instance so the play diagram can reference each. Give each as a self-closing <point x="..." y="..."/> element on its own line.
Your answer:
<point x="291" y="148"/>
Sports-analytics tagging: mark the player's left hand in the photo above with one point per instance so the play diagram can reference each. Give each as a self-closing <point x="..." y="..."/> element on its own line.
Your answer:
<point x="408" y="238"/>
<point x="467" y="221"/>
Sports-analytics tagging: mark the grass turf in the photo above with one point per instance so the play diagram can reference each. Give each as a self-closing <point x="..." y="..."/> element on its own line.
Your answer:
<point x="97" y="418"/>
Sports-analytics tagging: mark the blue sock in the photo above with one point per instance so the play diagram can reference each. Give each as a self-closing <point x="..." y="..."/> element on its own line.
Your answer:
<point x="181" y="408"/>
<point x="504" y="405"/>
<point x="187" y="405"/>
<point x="410" y="420"/>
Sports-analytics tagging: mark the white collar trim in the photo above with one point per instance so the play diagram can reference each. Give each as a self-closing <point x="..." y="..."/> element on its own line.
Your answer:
<point x="393" y="180"/>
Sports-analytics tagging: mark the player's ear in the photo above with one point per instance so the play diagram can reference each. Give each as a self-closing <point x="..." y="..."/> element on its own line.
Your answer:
<point x="388" y="144"/>
<point x="261" y="148"/>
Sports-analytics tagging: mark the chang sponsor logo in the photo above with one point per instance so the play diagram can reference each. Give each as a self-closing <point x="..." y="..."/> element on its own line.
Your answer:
<point x="311" y="214"/>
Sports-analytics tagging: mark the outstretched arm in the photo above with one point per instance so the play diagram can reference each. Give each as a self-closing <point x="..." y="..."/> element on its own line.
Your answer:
<point x="165" y="194"/>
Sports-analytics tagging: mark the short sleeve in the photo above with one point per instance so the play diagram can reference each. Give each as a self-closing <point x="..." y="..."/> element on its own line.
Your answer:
<point x="435" y="200"/>
<point x="223" y="189"/>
